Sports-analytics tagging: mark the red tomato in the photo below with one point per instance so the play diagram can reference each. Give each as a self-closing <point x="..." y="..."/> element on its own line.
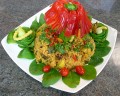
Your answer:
<point x="46" y="68"/>
<point x="64" y="71"/>
<point x="80" y="70"/>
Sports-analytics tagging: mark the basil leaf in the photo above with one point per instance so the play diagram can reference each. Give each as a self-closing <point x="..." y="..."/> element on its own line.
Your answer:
<point x="10" y="39"/>
<point x="35" y="25"/>
<point x="95" y="60"/>
<point x="50" y="78"/>
<point x="36" y="68"/>
<point x="26" y="53"/>
<point x="41" y="19"/>
<point x="90" y="73"/>
<point x="72" y="80"/>
<point x="102" y="51"/>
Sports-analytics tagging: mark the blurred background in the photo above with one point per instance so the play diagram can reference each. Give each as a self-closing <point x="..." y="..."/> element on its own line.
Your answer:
<point x="14" y="82"/>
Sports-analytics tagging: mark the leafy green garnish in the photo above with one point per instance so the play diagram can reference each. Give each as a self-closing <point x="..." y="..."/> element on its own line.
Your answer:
<point x="51" y="49"/>
<point x="26" y="53"/>
<point x="89" y="45"/>
<point x="41" y="19"/>
<point x="63" y="37"/>
<point x="36" y="68"/>
<point x="102" y="44"/>
<point x="102" y="51"/>
<point x="90" y="73"/>
<point x="95" y="60"/>
<point x="71" y="6"/>
<point x="50" y="78"/>
<point x="60" y="48"/>
<point x="35" y="25"/>
<point x="44" y="38"/>
<point x="10" y="39"/>
<point x="72" y="80"/>
<point x="26" y="41"/>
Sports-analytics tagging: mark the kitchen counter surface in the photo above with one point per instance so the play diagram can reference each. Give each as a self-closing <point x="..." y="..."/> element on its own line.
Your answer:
<point x="14" y="82"/>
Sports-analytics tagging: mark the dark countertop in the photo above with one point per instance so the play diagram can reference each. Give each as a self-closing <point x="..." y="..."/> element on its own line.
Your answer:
<point x="14" y="82"/>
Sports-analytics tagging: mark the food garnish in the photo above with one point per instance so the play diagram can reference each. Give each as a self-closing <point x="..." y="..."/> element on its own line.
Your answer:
<point x="64" y="43"/>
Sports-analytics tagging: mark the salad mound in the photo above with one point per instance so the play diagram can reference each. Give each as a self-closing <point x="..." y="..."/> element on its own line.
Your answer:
<point x="64" y="43"/>
<point x="62" y="53"/>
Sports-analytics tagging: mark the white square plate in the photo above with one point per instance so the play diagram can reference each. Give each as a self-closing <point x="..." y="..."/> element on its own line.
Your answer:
<point x="13" y="50"/>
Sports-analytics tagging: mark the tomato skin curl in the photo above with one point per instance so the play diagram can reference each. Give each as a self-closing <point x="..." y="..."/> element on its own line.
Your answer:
<point x="70" y="21"/>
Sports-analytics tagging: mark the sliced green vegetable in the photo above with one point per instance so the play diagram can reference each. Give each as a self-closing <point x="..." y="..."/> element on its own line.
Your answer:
<point x="72" y="80"/>
<point x="10" y="39"/>
<point x="95" y="60"/>
<point x="36" y="68"/>
<point x="90" y="73"/>
<point x="35" y="25"/>
<point x="26" y="53"/>
<point x="50" y="78"/>
<point x="41" y="19"/>
<point x="102" y="51"/>
<point x="26" y="41"/>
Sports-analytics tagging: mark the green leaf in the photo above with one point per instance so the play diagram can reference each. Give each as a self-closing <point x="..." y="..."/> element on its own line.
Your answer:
<point x="71" y="6"/>
<point x="60" y="48"/>
<point x="102" y="44"/>
<point x="72" y="80"/>
<point x="95" y="60"/>
<point x="10" y="39"/>
<point x="26" y="41"/>
<point x="41" y="19"/>
<point x="50" y="78"/>
<point x="102" y="51"/>
<point x="26" y="53"/>
<point x="35" y="25"/>
<point x="63" y="37"/>
<point x="36" y="68"/>
<point x="90" y="73"/>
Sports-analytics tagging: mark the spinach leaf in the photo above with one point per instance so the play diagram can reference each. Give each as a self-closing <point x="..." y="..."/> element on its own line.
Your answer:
<point x="41" y="19"/>
<point x="35" y="25"/>
<point x="102" y="44"/>
<point x="72" y="80"/>
<point x="90" y="73"/>
<point x="95" y="60"/>
<point x="10" y="39"/>
<point x="26" y="53"/>
<point x="36" y="68"/>
<point x="102" y="51"/>
<point x="60" y="48"/>
<point x="50" y="78"/>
